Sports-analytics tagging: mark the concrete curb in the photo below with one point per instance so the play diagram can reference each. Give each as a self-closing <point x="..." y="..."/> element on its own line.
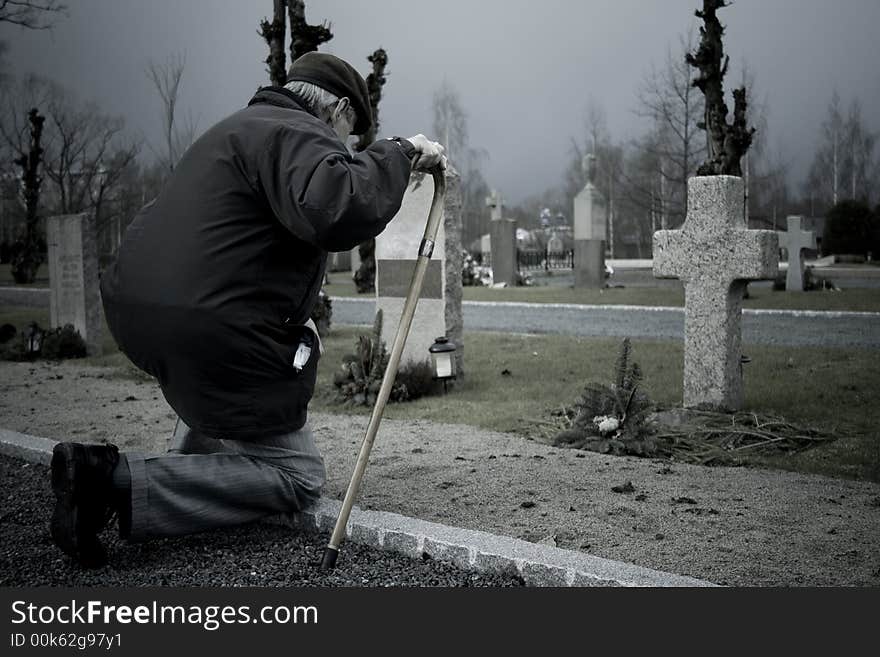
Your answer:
<point x="538" y="565"/>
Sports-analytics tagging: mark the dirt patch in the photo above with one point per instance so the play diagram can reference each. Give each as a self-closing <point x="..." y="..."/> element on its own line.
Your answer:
<point x="733" y="526"/>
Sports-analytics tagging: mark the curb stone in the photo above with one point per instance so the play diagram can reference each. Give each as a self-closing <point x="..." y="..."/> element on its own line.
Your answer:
<point x="467" y="549"/>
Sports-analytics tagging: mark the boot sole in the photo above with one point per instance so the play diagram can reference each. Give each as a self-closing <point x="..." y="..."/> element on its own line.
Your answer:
<point x="65" y="526"/>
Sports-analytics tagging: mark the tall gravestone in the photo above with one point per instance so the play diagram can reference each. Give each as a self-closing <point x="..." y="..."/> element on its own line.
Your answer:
<point x="502" y="241"/>
<point x="715" y="255"/>
<point x="794" y="241"/>
<point x="439" y="308"/>
<point x="590" y="217"/>
<point x="74" y="296"/>
<point x="486" y="249"/>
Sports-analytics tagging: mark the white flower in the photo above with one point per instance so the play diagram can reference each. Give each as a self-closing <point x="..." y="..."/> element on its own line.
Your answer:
<point x="608" y="424"/>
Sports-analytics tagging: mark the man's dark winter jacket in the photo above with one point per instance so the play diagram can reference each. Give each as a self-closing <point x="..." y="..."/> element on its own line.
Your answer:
<point x="215" y="278"/>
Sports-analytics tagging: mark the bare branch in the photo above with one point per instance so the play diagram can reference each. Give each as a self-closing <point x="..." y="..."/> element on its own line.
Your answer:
<point x="31" y="14"/>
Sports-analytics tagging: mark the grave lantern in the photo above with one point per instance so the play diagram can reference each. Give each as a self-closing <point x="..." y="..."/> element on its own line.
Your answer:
<point x="443" y="359"/>
<point x="33" y="338"/>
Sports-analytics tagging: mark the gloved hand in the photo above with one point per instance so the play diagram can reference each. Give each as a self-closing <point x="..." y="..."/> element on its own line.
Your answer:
<point x="429" y="153"/>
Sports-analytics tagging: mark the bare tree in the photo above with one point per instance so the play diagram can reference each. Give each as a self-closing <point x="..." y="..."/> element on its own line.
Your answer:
<point x="32" y="14"/>
<point x="860" y="143"/>
<point x="675" y="109"/>
<point x="273" y="32"/>
<point x="28" y="258"/>
<point x="824" y="179"/>
<point x="450" y="123"/>
<point x="304" y="37"/>
<point x="727" y="142"/>
<point x="87" y="157"/>
<point x="166" y="79"/>
<point x="375" y="81"/>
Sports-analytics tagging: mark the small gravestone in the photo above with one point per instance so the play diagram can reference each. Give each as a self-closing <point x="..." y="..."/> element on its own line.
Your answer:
<point x="397" y="249"/>
<point x="794" y="241"/>
<point x="715" y="255"/>
<point x="502" y="241"/>
<point x="555" y="244"/>
<point x="74" y="296"/>
<point x="590" y="216"/>
<point x="355" y="259"/>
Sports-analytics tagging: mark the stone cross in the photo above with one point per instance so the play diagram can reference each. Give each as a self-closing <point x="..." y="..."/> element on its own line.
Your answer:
<point x="74" y="295"/>
<point x="397" y="249"/>
<point x="794" y="241"/>
<point x="494" y="201"/>
<point x="715" y="255"/>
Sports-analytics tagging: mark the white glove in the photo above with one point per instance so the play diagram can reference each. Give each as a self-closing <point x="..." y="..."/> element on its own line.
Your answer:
<point x="429" y="153"/>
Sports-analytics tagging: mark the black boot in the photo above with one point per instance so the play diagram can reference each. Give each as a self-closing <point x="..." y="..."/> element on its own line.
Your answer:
<point x="83" y="486"/>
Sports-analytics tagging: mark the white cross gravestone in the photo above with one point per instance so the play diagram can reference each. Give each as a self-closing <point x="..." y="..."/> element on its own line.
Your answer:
<point x="397" y="249"/>
<point x="794" y="241"/>
<point x="74" y="296"/>
<point x="715" y="255"/>
<point x="502" y="242"/>
<point x="494" y="202"/>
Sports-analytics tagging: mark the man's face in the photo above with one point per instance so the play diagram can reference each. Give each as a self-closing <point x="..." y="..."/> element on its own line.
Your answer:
<point x="342" y="119"/>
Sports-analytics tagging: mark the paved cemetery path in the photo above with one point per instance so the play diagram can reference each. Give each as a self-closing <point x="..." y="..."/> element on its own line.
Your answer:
<point x="799" y="328"/>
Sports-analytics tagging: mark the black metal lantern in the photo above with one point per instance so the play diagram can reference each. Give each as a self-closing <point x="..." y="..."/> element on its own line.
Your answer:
<point x="443" y="359"/>
<point x="33" y="339"/>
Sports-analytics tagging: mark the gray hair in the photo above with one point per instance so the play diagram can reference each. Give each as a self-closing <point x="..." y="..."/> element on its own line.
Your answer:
<point x="318" y="101"/>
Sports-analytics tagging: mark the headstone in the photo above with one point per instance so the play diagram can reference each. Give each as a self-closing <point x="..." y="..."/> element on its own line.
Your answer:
<point x="794" y="241"/>
<point x="74" y="296"/>
<point x="355" y="258"/>
<point x="503" y="243"/>
<point x="339" y="261"/>
<point x="555" y="244"/>
<point x="453" y="219"/>
<point x="590" y="217"/>
<point x="715" y="255"/>
<point x="397" y="249"/>
<point x="486" y="248"/>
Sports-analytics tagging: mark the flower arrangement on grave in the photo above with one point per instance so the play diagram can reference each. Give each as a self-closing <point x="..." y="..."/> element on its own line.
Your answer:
<point x="359" y="378"/>
<point x="35" y="342"/>
<point x="610" y="418"/>
<point x="470" y="270"/>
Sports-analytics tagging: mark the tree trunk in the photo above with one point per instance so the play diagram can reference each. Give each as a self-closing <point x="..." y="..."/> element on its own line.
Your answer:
<point x="375" y="82"/>
<point x="273" y="33"/>
<point x="304" y="37"/>
<point x="727" y="143"/>
<point x="27" y="258"/>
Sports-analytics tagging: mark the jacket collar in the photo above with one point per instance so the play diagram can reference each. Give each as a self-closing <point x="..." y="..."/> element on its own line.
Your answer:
<point x="278" y="96"/>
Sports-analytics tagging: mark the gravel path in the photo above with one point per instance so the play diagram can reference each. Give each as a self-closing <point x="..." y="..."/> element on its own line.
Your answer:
<point x="758" y="327"/>
<point x="248" y="555"/>
<point x="736" y="526"/>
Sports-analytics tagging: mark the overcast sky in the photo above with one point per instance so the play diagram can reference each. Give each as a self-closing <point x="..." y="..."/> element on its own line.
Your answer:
<point x="525" y="70"/>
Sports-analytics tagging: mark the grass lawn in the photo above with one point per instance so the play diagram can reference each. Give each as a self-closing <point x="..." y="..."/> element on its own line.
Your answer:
<point x="831" y="389"/>
<point x="858" y="299"/>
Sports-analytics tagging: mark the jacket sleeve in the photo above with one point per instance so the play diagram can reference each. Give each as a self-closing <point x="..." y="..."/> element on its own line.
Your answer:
<point x="325" y="196"/>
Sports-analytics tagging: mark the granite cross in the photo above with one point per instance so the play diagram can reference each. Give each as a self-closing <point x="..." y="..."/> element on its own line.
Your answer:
<point x="715" y="255"/>
<point x="794" y="241"/>
<point x="494" y="201"/>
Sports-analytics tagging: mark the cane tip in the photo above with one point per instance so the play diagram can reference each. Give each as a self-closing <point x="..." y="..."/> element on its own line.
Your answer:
<point x="329" y="560"/>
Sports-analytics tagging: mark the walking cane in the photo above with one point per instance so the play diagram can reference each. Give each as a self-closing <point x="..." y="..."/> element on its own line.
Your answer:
<point x="331" y="552"/>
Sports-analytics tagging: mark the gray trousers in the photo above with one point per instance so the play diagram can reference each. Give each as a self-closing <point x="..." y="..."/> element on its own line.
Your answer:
<point x="203" y="483"/>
